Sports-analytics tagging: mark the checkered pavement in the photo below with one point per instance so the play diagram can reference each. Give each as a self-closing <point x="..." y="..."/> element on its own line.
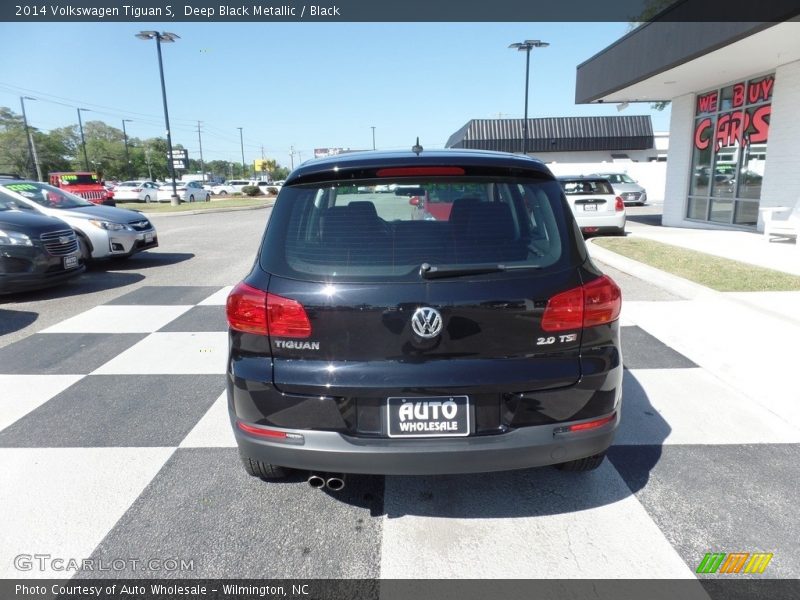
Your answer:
<point x="115" y="443"/>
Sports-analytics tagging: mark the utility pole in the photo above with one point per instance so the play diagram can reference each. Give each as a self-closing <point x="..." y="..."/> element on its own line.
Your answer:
<point x="149" y="165"/>
<point x="83" y="139"/>
<point x="373" y="137"/>
<point x="200" y="141"/>
<point x="291" y="155"/>
<point x="31" y="146"/>
<point x="127" y="155"/>
<point x="241" y="142"/>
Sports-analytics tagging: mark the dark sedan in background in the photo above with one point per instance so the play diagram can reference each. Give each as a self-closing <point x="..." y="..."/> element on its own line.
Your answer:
<point x="36" y="251"/>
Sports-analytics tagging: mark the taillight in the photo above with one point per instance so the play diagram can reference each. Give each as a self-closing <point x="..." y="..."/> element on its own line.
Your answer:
<point x="414" y="171"/>
<point x="251" y="310"/>
<point x="246" y="309"/>
<point x="596" y="303"/>
<point x="287" y="318"/>
<point x="619" y="205"/>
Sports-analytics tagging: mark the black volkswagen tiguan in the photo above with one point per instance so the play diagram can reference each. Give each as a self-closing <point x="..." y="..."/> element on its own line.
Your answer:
<point x="423" y="313"/>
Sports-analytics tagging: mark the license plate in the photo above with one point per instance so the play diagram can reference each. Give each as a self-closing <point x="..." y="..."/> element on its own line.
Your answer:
<point x="435" y="416"/>
<point x="70" y="262"/>
<point x="590" y="207"/>
<point x="148" y="237"/>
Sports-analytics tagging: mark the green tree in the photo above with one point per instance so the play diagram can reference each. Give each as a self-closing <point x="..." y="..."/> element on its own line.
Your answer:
<point x="14" y="155"/>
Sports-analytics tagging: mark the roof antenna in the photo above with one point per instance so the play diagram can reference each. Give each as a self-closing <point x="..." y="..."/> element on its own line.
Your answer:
<point x="416" y="147"/>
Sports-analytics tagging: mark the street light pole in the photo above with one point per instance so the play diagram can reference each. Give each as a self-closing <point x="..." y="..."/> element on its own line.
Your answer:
<point x="31" y="146"/>
<point x="166" y="37"/>
<point x="241" y="142"/>
<point x="127" y="155"/>
<point x="83" y="139"/>
<point x="526" y="47"/>
<point x="200" y="141"/>
<point x="373" y="137"/>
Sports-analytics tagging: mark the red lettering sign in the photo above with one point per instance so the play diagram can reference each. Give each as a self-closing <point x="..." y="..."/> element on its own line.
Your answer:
<point x="760" y="91"/>
<point x="738" y="95"/>
<point x="761" y="125"/>
<point x="707" y="103"/>
<point x="701" y="137"/>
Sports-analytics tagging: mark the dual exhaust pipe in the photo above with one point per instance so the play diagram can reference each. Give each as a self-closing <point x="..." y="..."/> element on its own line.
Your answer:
<point x="332" y="481"/>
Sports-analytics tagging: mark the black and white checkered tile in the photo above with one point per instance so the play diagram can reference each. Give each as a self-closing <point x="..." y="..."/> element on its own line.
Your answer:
<point x="115" y="442"/>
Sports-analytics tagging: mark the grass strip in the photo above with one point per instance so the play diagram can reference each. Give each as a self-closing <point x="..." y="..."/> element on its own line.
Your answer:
<point x="721" y="274"/>
<point x="166" y="207"/>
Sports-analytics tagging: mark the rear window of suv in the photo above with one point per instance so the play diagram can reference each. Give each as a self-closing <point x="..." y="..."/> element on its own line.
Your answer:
<point x="586" y="186"/>
<point x="350" y="231"/>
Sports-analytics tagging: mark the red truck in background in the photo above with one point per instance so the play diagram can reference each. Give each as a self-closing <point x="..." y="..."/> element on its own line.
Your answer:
<point x="84" y="184"/>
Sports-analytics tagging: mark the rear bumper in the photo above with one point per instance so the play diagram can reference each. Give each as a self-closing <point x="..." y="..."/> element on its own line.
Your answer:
<point x="518" y="449"/>
<point x="606" y="222"/>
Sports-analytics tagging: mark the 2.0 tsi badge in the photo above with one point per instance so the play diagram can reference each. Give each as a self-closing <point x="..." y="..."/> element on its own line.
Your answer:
<point x="426" y="322"/>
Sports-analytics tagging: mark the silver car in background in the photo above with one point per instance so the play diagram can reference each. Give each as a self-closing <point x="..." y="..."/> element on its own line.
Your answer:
<point x="103" y="231"/>
<point x="625" y="187"/>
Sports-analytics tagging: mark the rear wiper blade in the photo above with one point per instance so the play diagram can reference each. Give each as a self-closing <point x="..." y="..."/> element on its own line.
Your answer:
<point x="427" y="271"/>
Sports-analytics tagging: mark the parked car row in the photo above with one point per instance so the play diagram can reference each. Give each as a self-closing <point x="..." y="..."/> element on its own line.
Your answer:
<point x="47" y="235"/>
<point x="148" y="191"/>
<point x="235" y="186"/>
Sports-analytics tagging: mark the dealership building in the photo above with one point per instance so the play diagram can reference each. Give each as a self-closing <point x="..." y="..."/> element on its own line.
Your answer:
<point x="734" y="90"/>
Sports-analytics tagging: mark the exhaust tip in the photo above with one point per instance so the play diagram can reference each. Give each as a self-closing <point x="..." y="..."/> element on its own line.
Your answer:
<point x="335" y="483"/>
<point x="316" y="481"/>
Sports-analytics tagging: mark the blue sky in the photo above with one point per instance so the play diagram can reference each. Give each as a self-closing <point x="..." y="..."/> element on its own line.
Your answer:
<point x="306" y="85"/>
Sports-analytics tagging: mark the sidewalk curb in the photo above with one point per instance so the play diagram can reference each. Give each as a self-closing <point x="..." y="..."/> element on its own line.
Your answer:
<point x="667" y="281"/>
<point x="678" y="285"/>
<point x="208" y="210"/>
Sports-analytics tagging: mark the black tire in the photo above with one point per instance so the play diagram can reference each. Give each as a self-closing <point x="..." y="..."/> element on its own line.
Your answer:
<point x="263" y="470"/>
<point x="208" y="197"/>
<point x="222" y="193"/>
<point x="581" y="465"/>
<point x="83" y="246"/>
<point x="147" y="198"/>
<point x="191" y="198"/>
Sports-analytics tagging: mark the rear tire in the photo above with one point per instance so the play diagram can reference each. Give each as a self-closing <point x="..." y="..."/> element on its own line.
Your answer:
<point x="581" y="465"/>
<point x="263" y="470"/>
<point x="147" y="198"/>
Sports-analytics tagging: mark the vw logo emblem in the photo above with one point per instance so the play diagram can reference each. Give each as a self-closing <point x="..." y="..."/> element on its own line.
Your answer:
<point x="426" y="322"/>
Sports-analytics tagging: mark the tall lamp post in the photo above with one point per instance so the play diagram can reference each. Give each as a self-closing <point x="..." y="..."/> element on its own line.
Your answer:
<point x="373" y="137"/>
<point x="127" y="155"/>
<point x="241" y="142"/>
<point x="83" y="139"/>
<point x="31" y="146"/>
<point x="165" y="37"/>
<point x="526" y="47"/>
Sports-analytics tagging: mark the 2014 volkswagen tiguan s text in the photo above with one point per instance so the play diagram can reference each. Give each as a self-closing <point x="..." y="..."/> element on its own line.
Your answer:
<point x="453" y="325"/>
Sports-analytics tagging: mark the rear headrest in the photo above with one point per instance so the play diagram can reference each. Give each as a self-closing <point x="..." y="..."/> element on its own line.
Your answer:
<point x="363" y="209"/>
<point x="483" y="220"/>
<point x="352" y="223"/>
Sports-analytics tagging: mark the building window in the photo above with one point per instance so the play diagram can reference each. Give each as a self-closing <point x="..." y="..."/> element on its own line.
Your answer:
<point x="731" y="128"/>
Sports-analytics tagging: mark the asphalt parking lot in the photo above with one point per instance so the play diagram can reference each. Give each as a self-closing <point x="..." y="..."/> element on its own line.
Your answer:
<point x="114" y="442"/>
